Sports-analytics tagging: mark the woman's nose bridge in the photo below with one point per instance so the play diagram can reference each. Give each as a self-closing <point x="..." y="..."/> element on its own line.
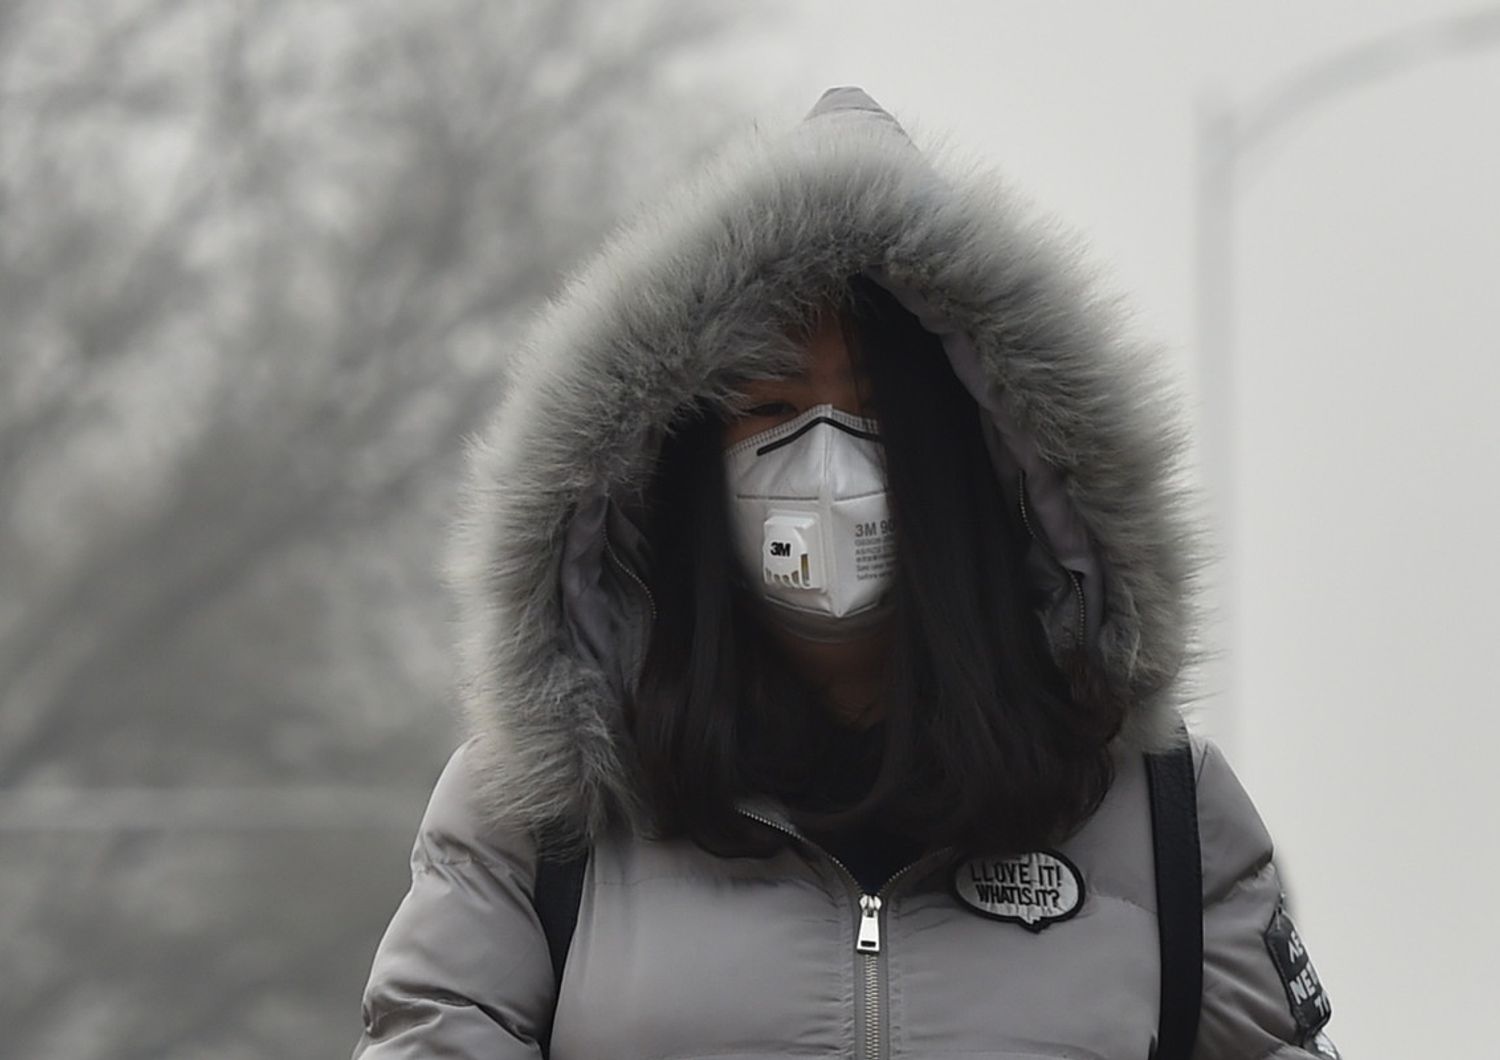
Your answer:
<point x="842" y="391"/>
<point x="832" y="376"/>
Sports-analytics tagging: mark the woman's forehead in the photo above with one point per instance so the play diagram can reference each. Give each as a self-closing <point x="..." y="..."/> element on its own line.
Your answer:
<point x="826" y="356"/>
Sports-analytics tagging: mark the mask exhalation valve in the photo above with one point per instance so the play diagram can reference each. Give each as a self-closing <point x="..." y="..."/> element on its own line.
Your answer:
<point x="791" y="551"/>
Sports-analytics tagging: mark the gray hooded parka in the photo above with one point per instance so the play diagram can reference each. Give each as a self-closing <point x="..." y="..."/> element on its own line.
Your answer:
<point x="680" y="954"/>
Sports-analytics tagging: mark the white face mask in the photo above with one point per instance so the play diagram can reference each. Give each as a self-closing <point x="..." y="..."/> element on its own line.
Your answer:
<point x="811" y="522"/>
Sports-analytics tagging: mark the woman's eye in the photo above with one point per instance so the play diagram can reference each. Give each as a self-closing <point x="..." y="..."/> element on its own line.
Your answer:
<point x="770" y="408"/>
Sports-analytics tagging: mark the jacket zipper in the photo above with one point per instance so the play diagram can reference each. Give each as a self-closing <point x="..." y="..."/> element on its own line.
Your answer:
<point x="1072" y="575"/>
<point x="609" y="550"/>
<point x="867" y="936"/>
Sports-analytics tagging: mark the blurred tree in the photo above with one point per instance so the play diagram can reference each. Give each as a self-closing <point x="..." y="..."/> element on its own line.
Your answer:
<point x="261" y="266"/>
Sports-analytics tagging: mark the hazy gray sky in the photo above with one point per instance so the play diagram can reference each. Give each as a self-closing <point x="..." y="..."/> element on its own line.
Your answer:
<point x="1368" y="252"/>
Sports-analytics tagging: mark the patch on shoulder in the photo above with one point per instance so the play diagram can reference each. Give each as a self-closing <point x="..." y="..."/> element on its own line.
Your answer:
<point x="1305" y="995"/>
<point x="1033" y="890"/>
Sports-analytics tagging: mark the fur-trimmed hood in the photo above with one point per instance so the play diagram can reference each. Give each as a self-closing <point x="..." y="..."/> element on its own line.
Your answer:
<point x="1088" y="433"/>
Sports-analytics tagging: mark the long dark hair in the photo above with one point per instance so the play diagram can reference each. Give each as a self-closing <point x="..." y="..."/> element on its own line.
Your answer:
<point x="987" y="742"/>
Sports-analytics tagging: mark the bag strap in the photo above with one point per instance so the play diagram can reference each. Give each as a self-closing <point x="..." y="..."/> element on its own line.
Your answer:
<point x="1179" y="899"/>
<point x="556" y="896"/>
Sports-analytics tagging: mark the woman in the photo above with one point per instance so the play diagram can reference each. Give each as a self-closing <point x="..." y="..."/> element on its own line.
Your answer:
<point x="825" y="580"/>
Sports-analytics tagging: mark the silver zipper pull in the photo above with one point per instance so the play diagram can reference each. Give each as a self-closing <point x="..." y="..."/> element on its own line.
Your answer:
<point x="869" y="924"/>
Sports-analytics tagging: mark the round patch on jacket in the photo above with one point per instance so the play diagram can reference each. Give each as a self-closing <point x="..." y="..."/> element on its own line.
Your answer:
<point x="1033" y="890"/>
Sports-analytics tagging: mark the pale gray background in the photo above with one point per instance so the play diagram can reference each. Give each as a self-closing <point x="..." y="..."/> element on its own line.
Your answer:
<point x="259" y="261"/>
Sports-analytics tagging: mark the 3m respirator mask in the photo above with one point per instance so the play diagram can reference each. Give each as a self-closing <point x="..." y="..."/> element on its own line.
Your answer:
<point x="812" y="524"/>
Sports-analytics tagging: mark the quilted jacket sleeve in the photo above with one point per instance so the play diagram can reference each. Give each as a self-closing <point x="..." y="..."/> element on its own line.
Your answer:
<point x="1261" y="997"/>
<point x="463" y="970"/>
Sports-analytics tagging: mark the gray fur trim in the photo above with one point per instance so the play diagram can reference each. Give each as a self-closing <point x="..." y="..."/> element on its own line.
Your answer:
<point x="696" y="293"/>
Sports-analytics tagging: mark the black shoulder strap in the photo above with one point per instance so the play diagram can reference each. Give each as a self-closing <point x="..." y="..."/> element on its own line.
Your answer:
<point x="558" y="891"/>
<point x="1179" y="899"/>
